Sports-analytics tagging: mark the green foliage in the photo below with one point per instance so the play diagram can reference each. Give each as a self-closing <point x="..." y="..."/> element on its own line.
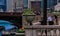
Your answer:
<point x="20" y="31"/>
<point x="28" y="12"/>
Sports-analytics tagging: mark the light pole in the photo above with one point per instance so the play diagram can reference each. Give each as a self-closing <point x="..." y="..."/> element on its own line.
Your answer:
<point x="45" y="15"/>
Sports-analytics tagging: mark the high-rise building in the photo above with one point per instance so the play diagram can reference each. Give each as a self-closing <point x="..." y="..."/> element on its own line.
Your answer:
<point x="7" y="5"/>
<point x="50" y="3"/>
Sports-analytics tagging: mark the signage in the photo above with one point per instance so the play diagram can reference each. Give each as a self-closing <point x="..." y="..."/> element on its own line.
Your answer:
<point x="2" y="2"/>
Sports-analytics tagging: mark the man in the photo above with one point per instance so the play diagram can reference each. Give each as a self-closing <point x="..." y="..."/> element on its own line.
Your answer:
<point x="56" y="18"/>
<point x="50" y="20"/>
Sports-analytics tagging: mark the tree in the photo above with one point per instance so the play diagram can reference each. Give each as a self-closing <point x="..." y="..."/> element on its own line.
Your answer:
<point x="28" y="12"/>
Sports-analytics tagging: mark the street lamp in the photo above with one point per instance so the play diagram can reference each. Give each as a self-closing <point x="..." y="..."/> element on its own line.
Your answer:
<point x="45" y="13"/>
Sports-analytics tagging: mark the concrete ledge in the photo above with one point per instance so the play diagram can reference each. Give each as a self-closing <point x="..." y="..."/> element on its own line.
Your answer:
<point x="8" y="33"/>
<point x="43" y="27"/>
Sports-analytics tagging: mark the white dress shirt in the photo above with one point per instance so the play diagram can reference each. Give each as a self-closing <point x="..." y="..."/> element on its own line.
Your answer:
<point x="49" y="18"/>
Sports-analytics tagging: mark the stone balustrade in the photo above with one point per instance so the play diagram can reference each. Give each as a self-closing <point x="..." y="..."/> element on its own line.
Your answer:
<point x="36" y="30"/>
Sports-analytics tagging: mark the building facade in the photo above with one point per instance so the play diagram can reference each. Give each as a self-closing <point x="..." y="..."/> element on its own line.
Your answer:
<point x="57" y="7"/>
<point x="18" y="5"/>
<point x="14" y="4"/>
<point x="25" y="4"/>
<point x="50" y="4"/>
<point x="3" y="5"/>
<point x="7" y="5"/>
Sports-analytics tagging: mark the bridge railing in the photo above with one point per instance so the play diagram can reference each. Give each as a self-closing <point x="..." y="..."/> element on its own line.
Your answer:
<point x="40" y="30"/>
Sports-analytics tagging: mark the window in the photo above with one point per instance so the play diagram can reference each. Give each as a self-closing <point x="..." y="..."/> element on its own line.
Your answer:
<point x="18" y="5"/>
<point x="25" y="2"/>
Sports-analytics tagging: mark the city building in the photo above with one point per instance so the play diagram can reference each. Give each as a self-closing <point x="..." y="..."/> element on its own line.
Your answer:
<point x="17" y="5"/>
<point x="35" y="4"/>
<point x="57" y="7"/>
<point x="50" y="4"/>
<point x="7" y="5"/>
<point x="25" y="3"/>
<point x="3" y="5"/>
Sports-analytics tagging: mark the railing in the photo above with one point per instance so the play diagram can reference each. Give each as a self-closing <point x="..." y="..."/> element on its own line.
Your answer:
<point x="39" y="30"/>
